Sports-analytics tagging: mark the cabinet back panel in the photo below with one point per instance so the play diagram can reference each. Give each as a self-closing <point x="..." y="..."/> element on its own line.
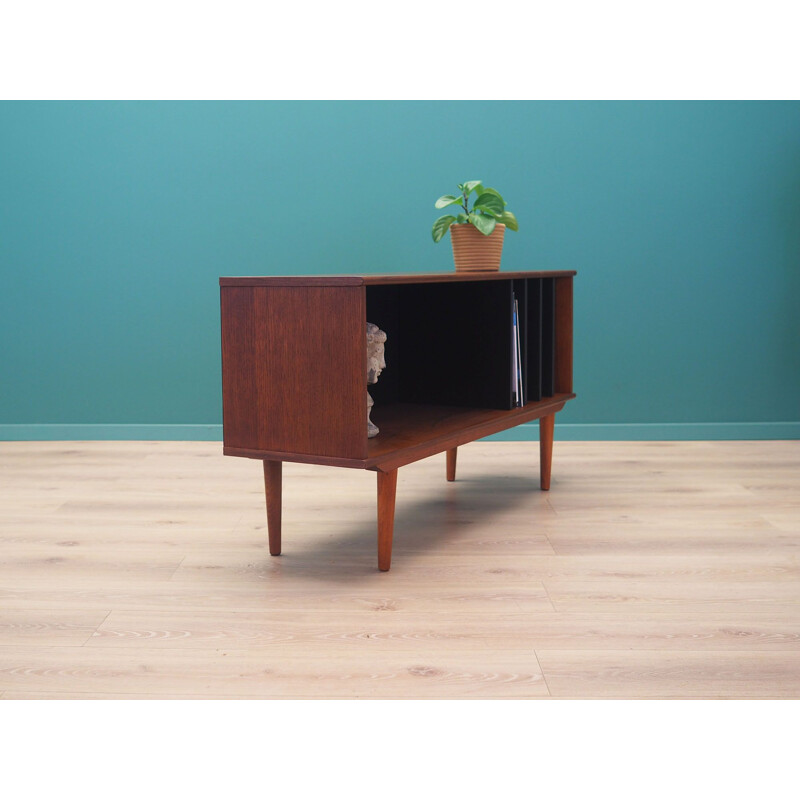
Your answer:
<point x="383" y="309"/>
<point x="456" y="344"/>
<point x="294" y="369"/>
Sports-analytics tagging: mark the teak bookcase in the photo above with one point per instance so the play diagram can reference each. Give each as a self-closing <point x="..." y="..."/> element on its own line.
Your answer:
<point x="294" y="364"/>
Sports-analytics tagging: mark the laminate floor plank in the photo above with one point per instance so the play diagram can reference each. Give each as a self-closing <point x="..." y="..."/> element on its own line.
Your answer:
<point x="783" y="517"/>
<point x="437" y="672"/>
<point x="651" y="540"/>
<point x="682" y="674"/>
<point x="57" y="627"/>
<point x="56" y="564"/>
<point x="344" y="568"/>
<point x="292" y="631"/>
<point x="122" y="593"/>
<point x="169" y="695"/>
<point x="691" y="596"/>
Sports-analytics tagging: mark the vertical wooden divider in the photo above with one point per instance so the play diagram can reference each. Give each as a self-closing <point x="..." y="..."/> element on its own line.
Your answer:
<point x="563" y="366"/>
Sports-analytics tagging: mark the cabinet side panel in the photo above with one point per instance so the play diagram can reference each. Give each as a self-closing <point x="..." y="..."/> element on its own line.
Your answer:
<point x="306" y="372"/>
<point x="239" y="401"/>
<point x="563" y="365"/>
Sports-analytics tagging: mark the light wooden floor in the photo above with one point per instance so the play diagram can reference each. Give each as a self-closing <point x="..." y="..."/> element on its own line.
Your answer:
<point x="140" y="569"/>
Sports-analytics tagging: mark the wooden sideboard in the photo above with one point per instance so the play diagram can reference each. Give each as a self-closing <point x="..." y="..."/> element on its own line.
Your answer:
<point x="294" y="362"/>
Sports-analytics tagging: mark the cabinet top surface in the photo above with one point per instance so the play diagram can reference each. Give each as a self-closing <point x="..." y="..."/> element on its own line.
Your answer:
<point x="382" y="279"/>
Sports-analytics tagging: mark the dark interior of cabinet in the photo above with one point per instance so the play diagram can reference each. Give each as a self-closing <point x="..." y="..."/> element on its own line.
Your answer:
<point x="548" y="336"/>
<point x="450" y="344"/>
<point x="520" y="295"/>
<point x="534" y="332"/>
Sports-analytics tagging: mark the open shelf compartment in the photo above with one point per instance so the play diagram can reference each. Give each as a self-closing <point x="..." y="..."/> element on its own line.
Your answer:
<point x="450" y="344"/>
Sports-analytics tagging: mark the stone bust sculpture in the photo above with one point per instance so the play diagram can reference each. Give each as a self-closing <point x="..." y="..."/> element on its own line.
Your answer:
<point x="376" y="339"/>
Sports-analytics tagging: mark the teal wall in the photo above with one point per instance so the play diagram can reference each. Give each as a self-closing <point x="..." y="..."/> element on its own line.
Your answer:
<point x="117" y="218"/>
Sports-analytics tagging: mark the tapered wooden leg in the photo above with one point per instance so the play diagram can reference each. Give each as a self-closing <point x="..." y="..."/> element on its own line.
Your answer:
<point x="272" y="488"/>
<point x="387" y="489"/>
<point x="546" y="425"/>
<point x="451" y="464"/>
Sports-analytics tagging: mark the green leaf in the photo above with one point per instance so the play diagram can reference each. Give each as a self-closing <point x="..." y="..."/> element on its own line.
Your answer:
<point x="462" y="218"/>
<point x="488" y="190"/>
<point x="441" y="226"/>
<point x="490" y="203"/>
<point x="483" y="223"/>
<point x="447" y="200"/>
<point x="509" y="220"/>
<point x="470" y="186"/>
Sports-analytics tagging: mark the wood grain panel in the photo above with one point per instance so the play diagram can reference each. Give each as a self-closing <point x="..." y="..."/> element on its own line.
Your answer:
<point x="239" y="388"/>
<point x="383" y="279"/>
<point x="564" y="334"/>
<point x="294" y="366"/>
<point x="412" y="431"/>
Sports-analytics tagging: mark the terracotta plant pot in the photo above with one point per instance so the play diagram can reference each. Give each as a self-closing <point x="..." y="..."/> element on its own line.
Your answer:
<point x="474" y="252"/>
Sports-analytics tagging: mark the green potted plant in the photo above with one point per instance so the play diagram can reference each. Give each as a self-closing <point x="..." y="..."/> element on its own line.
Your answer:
<point x="477" y="234"/>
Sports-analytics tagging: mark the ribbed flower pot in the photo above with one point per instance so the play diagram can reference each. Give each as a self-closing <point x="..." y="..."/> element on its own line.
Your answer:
<point x="474" y="252"/>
